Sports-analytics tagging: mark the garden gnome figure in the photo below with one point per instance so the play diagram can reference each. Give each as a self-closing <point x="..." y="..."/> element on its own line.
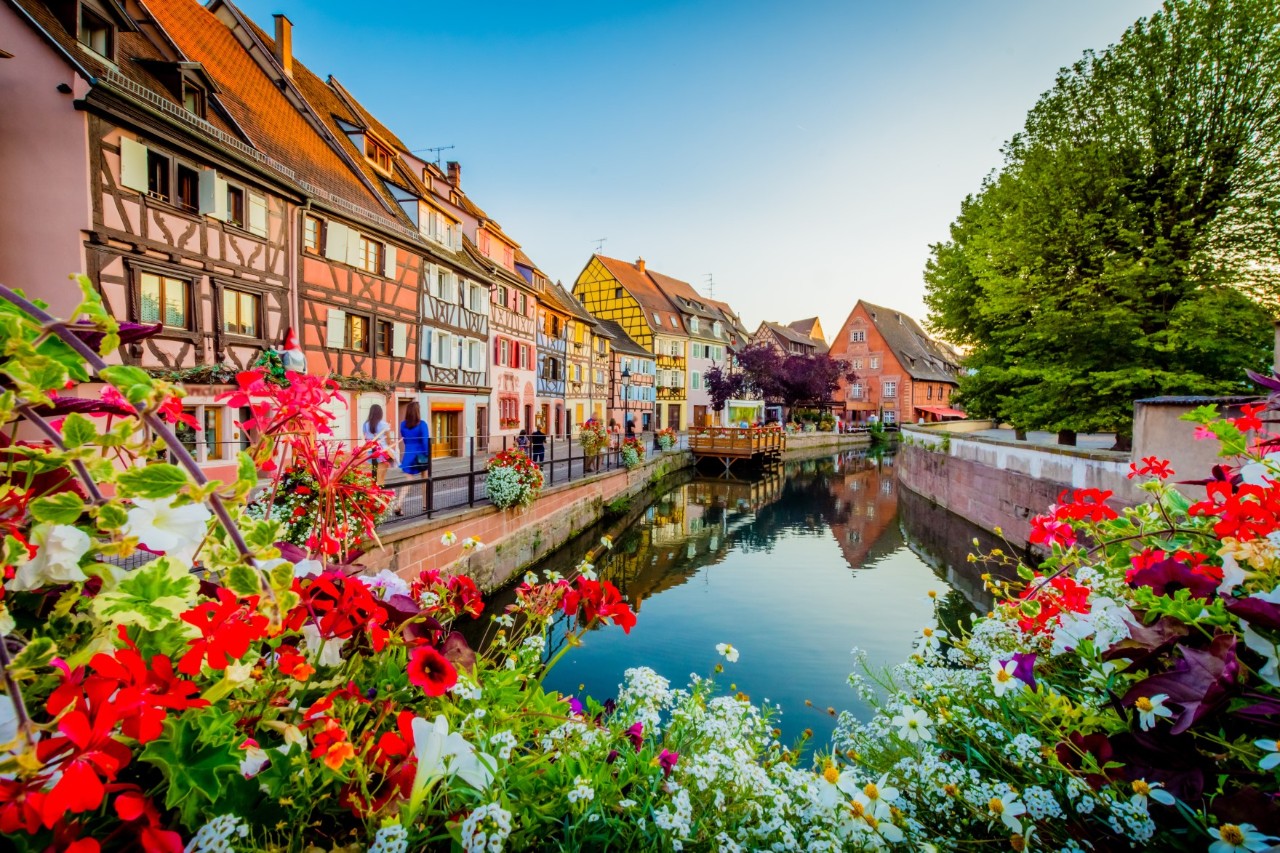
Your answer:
<point x="291" y="355"/>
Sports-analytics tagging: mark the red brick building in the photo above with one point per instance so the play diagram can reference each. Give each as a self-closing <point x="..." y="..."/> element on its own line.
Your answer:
<point x="903" y="375"/>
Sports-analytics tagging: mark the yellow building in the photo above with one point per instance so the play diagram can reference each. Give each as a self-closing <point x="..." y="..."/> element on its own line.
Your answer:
<point x="624" y="292"/>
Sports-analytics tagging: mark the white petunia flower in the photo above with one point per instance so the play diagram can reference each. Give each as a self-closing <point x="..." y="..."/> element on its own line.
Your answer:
<point x="61" y="547"/>
<point x="728" y="652"/>
<point x="913" y="726"/>
<point x="441" y="753"/>
<point x="385" y="584"/>
<point x="330" y="650"/>
<point x="308" y="568"/>
<point x="174" y="531"/>
<point x="1150" y="707"/>
<point x="1270" y="671"/>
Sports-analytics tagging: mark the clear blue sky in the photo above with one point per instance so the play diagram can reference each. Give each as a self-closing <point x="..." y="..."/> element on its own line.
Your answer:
<point x="804" y="153"/>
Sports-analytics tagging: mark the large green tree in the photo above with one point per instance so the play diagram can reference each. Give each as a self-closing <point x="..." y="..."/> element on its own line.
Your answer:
<point x="1130" y="244"/>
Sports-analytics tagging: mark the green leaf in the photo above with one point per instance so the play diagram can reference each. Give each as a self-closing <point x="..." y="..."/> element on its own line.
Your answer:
<point x="61" y="508"/>
<point x="243" y="581"/>
<point x="61" y="352"/>
<point x="35" y="655"/>
<point x="111" y="516"/>
<point x="149" y="597"/>
<point x="158" y="480"/>
<point x="133" y="382"/>
<point x="246" y="474"/>
<point x="200" y="759"/>
<point x="78" y="430"/>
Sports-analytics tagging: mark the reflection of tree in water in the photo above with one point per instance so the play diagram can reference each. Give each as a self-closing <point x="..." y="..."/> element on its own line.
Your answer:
<point x="806" y="503"/>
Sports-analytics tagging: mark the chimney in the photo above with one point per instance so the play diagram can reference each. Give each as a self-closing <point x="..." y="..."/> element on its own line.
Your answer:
<point x="640" y="264"/>
<point x="455" y="173"/>
<point x="284" y="44"/>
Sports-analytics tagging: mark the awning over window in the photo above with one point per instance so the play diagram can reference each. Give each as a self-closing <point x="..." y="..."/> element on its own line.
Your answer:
<point x="942" y="411"/>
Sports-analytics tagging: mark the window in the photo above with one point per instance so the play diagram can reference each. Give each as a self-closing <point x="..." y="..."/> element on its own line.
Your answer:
<point x="477" y="299"/>
<point x="855" y="391"/>
<point x="675" y="324"/>
<point x="695" y="380"/>
<point x="890" y="389"/>
<point x="695" y="350"/>
<point x="504" y="352"/>
<point x="370" y="259"/>
<point x="875" y="362"/>
<point x="382" y="345"/>
<point x="617" y="293"/>
<point x="522" y="300"/>
<point x="235" y="206"/>
<point x="193" y="99"/>
<point x="157" y="175"/>
<point x="502" y="296"/>
<point x="677" y="351"/>
<point x="857" y="364"/>
<point x="716" y="328"/>
<point x="240" y="312"/>
<point x="890" y="417"/>
<point x="524" y="357"/>
<point x="188" y="188"/>
<point x="657" y="318"/>
<point x="95" y="33"/>
<point x="377" y="153"/>
<point x="164" y="300"/>
<point x="857" y="336"/>
<point x="693" y="326"/>
<point x="928" y="392"/>
<point x="312" y="234"/>
<point x="357" y="337"/>
<point x="443" y="291"/>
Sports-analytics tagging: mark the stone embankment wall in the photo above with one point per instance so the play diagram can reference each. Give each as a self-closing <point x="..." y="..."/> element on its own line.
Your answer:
<point x="996" y="484"/>
<point x="517" y="538"/>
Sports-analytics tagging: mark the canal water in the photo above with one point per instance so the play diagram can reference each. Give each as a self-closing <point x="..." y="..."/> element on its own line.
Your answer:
<point x="794" y="569"/>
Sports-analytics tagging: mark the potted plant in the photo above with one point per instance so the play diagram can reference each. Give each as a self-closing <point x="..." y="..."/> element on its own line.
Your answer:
<point x="512" y="479"/>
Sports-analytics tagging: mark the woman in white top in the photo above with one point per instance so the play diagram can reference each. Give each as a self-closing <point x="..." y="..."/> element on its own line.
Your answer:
<point x="377" y="429"/>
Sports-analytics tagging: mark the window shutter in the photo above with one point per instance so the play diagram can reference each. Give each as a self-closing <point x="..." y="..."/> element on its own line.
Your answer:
<point x="213" y="195"/>
<point x="335" y="244"/>
<point x="424" y="343"/>
<point x="336" y="331"/>
<point x="389" y="261"/>
<point x="353" y="247"/>
<point x="257" y="214"/>
<point x="133" y="164"/>
<point x="399" y="339"/>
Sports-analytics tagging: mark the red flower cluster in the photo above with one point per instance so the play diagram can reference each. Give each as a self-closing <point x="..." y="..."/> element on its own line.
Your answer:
<point x="516" y="458"/>
<point x="339" y="606"/>
<point x="1247" y="512"/>
<point x="227" y="629"/>
<point x="431" y="671"/>
<point x="172" y="412"/>
<point x="1249" y="420"/>
<point x="596" y="600"/>
<point x="1152" y="466"/>
<point x="1084" y="505"/>
<point x="1047" y="531"/>
<point x="296" y="406"/>
<point x="455" y="594"/>
<point x="1061" y="593"/>
<point x="1165" y="573"/>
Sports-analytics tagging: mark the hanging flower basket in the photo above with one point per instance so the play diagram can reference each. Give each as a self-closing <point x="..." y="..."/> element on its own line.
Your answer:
<point x="512" y="479"/>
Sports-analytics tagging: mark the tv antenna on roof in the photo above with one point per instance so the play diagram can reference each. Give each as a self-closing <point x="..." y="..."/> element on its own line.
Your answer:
<point x="600" y="244"/>
<point x="436" y="151"/>
<point x="711" y="286"/>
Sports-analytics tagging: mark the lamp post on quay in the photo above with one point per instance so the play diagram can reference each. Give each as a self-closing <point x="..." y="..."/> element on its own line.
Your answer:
<point x="626" y="398"/>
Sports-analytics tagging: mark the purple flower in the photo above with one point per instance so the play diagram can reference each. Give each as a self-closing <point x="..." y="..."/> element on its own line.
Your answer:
<point x="575" y="706"/>
<point x="636" y="733"/>
<point x="1024" y="670"/>
<point x="1168" y="576"/>
<point x="611" y="757"/>
<point x="667" y="761"/>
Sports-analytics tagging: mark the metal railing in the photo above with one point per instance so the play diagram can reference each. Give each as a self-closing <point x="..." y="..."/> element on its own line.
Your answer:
<point x="455" y="482"/>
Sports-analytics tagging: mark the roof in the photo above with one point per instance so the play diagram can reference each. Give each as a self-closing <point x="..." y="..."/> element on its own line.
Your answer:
<point x="804" y="327"/>
<point x="648" y="294"/>
<point x="621" y="341"/>
<point x="572" y="304"/>
<point x="273" y="123"/>
<point x="789" y="334"/>
<point x="684" y="297"/>
<point x="943" y="411"/>
<point x="922" y="357"/>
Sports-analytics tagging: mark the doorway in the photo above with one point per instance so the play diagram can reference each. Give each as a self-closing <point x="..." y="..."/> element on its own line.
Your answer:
<point x="445" y="433"/>
<point x="482" y="429"/>
<point x="673" y="417"/>
<point x="528" y="417"/>
<point x="700" y="416"/>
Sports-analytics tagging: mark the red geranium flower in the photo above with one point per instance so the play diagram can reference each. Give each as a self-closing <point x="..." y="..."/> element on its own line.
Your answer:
<point x="145" y="695"/>
<point x="227" y="629"/>
<point x="431" y="671"/>
<point x="21" y="805"/>
<point x="85" y="751"/>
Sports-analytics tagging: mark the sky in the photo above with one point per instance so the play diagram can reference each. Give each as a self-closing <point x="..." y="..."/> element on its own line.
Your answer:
<point x="800" y="155"/>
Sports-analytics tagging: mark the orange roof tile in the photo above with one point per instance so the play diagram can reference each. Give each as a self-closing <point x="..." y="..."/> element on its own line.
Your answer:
<point x="648" y="294"/>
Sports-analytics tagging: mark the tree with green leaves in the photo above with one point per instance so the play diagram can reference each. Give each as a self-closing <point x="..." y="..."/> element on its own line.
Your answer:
<point x="1130" y="244"/>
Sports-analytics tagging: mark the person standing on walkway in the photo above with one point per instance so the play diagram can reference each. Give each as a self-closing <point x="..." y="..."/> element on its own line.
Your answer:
<point x="416" y="437"/>
<point x="376" y="429"/>
<point x="538" y="444"/>
<point x="522" y="441"/>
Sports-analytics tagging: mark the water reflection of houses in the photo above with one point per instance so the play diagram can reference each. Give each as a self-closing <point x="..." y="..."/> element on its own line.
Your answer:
<point x="865" y="492"/>
<point x="944" y="541"/>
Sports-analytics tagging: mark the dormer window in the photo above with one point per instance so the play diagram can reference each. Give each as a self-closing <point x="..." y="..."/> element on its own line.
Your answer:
<point x="193" y="99"/>
<point x="377" y="153"/>
<point x="96" y="33"/>
<point x="693" y="325"/>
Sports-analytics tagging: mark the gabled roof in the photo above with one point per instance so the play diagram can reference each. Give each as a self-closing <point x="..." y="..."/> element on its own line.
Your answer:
<point x="807" y="327"/>
<point x="922" y="357"/>
<point x="787" y="333"/>
<point x="649" y="295"/>
<point x="496" y="271"/>
<point x="684" y="297"/>
<point x="570" y="304"/>
<point x="621" y="341"/>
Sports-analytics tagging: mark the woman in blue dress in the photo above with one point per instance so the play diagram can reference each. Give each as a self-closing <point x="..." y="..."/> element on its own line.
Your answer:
<point x="416" y="436"/>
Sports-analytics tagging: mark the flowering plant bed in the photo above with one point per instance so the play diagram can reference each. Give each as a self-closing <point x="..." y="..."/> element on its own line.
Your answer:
<point x="508" y="423"/>
<point x="593" y="437"/>
<point x="1124" y="692"/>
<point x="632" y="452"/>
<point x="666" y="438"/>
<point x="512" y="479"/>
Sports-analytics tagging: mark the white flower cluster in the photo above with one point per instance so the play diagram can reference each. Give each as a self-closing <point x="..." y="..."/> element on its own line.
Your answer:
<point x="643" y="697"/>
<point x="216" y="835"/>
<point x="486" y="829"/>
<point x="392" y="838"/>
<point x="582" y="790"/>
<point x="506" y="488"/>
<point x="504" y="742"/>
<point x="676" y="819"/>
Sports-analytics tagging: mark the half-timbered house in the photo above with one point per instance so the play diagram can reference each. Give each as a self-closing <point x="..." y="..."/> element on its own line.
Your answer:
<point x="583" y="398"/>
<point x="552" y="344"/>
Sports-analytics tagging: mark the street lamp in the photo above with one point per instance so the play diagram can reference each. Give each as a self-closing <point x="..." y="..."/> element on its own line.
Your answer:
<point x="626" y="399"/>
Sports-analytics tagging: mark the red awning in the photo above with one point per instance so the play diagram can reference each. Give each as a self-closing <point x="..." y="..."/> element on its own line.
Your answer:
<point x="942" y="411"/>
